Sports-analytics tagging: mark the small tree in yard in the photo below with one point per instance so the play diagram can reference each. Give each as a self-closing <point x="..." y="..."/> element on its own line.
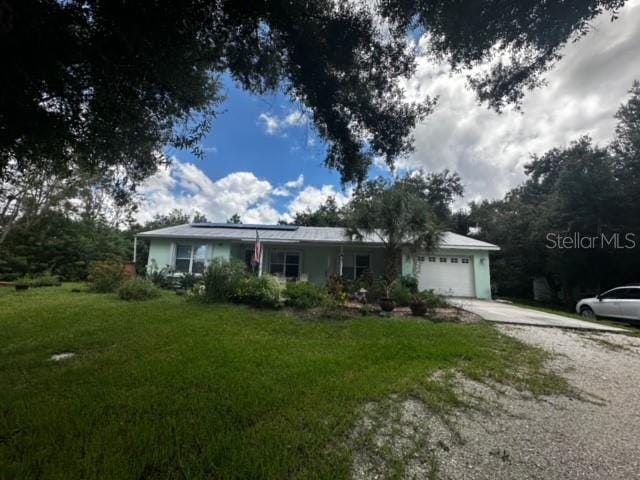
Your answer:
<point x="398" y="213"/>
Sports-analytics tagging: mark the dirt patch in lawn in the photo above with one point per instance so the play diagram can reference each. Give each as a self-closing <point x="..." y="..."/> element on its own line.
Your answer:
<point x="503" y="433"/>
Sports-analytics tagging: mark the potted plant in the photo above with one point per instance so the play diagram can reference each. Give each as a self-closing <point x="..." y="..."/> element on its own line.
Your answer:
<point x="387" y="303"/>
<point x="22" y="283"/>
<point x="418" y="305"/>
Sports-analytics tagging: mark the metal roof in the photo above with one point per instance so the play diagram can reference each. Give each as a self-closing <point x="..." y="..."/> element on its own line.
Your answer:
<point x="295" y="234"/>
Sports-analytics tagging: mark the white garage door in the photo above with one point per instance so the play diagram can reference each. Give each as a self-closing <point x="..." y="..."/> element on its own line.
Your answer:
<point x="446" y="275"/>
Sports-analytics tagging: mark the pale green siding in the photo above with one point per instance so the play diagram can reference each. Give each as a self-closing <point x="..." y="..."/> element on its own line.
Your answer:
<point x="159" y="253"/>
<point x="482" y="274"/>
<point x="318" y="261"/>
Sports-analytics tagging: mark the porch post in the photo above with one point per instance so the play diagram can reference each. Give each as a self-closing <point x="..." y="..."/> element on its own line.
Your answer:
<point x="341" y="260"/>
<point x="260" y="263"/>
<point x="135" y="248"/>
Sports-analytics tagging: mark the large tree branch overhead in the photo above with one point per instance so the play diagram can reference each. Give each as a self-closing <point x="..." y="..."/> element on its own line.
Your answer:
<point x="104" y="85"/>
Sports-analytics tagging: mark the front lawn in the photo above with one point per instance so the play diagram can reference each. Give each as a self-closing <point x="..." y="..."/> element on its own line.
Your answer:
<point x="171" y="389"/>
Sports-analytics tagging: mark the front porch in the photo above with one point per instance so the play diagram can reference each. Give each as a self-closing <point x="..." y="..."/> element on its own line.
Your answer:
<point x="312" y="263"/>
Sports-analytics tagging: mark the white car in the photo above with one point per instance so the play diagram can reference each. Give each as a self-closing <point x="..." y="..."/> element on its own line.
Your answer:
<point x="619" y="302"/>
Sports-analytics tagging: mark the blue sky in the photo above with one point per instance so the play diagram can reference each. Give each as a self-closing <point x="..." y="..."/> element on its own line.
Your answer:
<point x="265" y="162"/>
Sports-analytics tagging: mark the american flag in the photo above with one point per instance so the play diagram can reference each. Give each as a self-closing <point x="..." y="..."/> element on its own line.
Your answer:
<point x="257" y="251"/>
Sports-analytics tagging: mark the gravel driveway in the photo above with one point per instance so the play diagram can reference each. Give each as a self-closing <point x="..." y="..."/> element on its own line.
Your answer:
<point x="518" y="437"/>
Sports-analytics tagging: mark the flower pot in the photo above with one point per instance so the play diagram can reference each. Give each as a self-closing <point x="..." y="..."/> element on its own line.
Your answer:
<point x="21" y="287"/>
<point x="387" y="304"/>
<point x="418" y="309"/>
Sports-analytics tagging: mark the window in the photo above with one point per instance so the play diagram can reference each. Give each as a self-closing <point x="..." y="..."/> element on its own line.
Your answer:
<point x="615" y="294"/>
<point x="464" y="260"/>
<point x="443" y="259"/>
<point x="285" y="264"/>
<point x="454" y="260"/>
<point x="420" y="258"/>
<point x="633" y="294"/>
<point x="199" y="259"/>
<point x="191" y="258"/>
<point x="183" y="258"/>
<point x="432" y="259"/>
<point x="353" y="266"/>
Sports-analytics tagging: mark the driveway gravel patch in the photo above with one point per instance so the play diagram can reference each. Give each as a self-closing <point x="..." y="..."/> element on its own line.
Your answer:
<point x="508" y="434"/>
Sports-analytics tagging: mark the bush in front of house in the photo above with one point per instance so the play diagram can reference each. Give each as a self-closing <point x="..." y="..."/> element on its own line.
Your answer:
<point x="138" y="289"/>
<point x="410" y="282"/>
<point x="223" y="280"/>
<point x="304" y="295"/>
<point x="431" y="299"/>
<point x="258" y="291"/>
<point x="401" y="295"/>
<point x="162" y="278"/>
<point x="106" y="276"/>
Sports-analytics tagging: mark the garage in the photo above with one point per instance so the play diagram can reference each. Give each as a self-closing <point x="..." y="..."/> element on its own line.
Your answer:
<point x="446" y="274"/>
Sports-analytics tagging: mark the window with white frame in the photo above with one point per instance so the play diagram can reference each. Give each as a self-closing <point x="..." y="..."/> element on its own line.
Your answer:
<point x="465" y="260"/>
<point x="443" y="259"/>
<point x="432" y="259"/>
<point x="420" y="258"/>
<point x="354" y="265"/>
<point x="190" y="258"/>
<point x="285" y="264"/>
<point x="454" y="260"/>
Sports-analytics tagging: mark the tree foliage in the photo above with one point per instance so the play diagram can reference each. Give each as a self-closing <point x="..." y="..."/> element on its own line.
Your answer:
<point x="397" y="213"/>
<point x="103" y="86"/>
<point x="329" y="214"/>
<point x="582" y="189"/>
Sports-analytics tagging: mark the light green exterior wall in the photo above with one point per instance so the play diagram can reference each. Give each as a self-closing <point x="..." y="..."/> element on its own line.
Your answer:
<point x="319" y="261"/>
<point x="481" y="268"/>
<point x="159" y="253"/>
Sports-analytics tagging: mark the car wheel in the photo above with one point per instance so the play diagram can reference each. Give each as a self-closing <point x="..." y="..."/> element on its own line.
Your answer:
<point x="587" y="312"/>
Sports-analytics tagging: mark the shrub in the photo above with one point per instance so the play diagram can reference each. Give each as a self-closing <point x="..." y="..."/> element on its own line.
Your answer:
<point x="258" y="291"/>
<point x="106" y="276"/>
<point x="22" y="282"/>
<point x="303" y="295"/>
<point x="45" y="281"/>
<point x="401" y="295"/>
<point x="162" y="278"/>
<point x="410" y="282"/>
<point x="223" y="279"/>
<point x="431" y="299"/>
<point x="337" y="288"/>
<point x="138" y="289"/>
<point x="187" y="281"/>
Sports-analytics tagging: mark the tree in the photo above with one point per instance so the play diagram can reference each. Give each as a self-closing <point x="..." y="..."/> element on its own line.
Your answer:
<point x="398" y="214"/>
<point x="442" y="188"/>
<point x="199" y="218"/>
<point x="329" y="214"/>
<point x="570" y="191"/>
<point x="103" y="85"/>
<point x="235" y="219"/>
<point x="626" y="151"/>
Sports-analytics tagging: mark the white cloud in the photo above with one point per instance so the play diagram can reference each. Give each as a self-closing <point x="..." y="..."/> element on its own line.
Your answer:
<point x="488" y="149"/>
<point x="297" y="183"/>
<point x="310" y="198"/>
<point x="271" y="123"/>
<point x="277" y="125"/>
<point x="185" y="186"/>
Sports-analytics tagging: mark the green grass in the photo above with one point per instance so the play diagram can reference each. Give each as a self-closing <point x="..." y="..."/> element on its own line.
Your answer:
<point x="167" y="389"/>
